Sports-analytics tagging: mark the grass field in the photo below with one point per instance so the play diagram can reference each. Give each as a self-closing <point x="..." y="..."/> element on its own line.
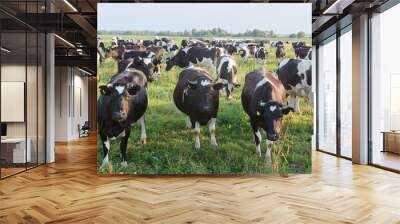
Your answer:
<point x="170" y="146"/>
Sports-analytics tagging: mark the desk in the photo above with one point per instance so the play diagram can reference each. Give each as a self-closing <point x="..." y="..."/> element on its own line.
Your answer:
<point x="391" y="141"/>
<point x="13" y="150"/>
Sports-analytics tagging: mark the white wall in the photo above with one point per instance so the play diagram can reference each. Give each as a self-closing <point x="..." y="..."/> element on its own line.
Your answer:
<point x="71" y="93"/>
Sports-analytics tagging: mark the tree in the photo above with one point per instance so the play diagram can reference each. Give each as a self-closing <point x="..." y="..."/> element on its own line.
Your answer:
<point x="293" y="35"/>
<point x="301" y="34"/>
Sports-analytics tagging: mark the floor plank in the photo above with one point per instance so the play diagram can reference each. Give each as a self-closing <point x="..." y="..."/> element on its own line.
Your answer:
<point x="69" y="191"/>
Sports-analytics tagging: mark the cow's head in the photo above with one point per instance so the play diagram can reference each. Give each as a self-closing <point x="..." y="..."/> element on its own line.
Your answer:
<point x="146" y="66"/>
<point x="204" y="93"/>
<point x="179" y="59"/>
<point x="271" y="113"/>
<point x="119" y="99"/>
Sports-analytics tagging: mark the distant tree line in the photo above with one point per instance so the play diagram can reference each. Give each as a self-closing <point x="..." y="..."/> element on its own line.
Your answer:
<point x="300" y="34"/>
<point x="218" y="32"/>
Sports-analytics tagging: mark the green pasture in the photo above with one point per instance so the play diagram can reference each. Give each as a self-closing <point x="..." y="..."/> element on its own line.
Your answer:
<point x="170" y="146"/>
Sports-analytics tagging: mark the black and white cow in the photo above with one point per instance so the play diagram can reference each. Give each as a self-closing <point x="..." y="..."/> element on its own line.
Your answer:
<point x="171" y="49"/>
<point x="295" y="74"/>
<point x="303" y="52"/>
<point x="122" y="102"/>
<point x="227" y="71"/>
<point x="261" y="54"/>
<point x="136" y="54"/>
<point x="280" y="52"/>
<point x="142" y="64"/>
<point x="198" y="97"/>
<point x="262" y="98"/>
<point x="195" y="56"/>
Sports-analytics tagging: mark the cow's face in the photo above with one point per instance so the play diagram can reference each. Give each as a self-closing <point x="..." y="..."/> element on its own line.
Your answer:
<point x="177" y="60"/>
<point x="204" y="93"/>
<point x="146" y="66"/>
<point x="272" y="113"/>
<point x="119" y="99"/>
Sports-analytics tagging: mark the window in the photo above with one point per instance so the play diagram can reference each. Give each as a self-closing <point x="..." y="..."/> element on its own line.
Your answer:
<point x="385" y="89"/>
<point x="346" y="93"/>
<point x="327" y="96"/>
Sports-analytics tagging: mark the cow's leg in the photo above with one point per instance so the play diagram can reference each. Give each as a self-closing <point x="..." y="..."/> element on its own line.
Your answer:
<point x="211" y="127"/>
<point x="257" y="137"/>
<point x="106" y="149"/>
<point x="143" y="135"/>
<point x="268" y="151"/>
<point x="188" y="123"/>
<point x="122" y="147"/>
<point x="196" y="131"/>
<point x="292" y="102"/>
<point x="297" y="103"/>
<point x="229" y="91"/>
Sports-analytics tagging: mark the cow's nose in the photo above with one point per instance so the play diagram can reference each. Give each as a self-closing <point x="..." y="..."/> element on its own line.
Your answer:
<point x="272" y="136"/>
<point x="118" y="116"/>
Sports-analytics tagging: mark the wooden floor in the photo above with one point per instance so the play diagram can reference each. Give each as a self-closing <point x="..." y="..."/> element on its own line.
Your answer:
<point x="69" y="191"/>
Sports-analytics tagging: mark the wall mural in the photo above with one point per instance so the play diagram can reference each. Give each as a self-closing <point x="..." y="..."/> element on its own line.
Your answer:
<point x="204" y="88"/>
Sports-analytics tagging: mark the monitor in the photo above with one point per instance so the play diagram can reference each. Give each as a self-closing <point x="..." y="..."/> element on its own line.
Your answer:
<point x="3" y="129"/>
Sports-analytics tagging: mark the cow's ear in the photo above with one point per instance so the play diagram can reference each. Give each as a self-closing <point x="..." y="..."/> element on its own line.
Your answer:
<point x="105" y="89"/>
<point x="192" y="84"/>
<point x="133" y="88"/>
<point x="218" y="86"/>
<point x="287" y="110"/>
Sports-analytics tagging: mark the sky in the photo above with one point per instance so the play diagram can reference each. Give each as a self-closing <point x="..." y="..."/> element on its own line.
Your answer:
<point x="232" y="17"/>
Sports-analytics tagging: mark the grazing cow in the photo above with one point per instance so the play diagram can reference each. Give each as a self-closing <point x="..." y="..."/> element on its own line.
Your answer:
<point x="280" y="52"/>
<point x="227" y="71"/>
<point x="122" y="102"/>
<point x="262" y="98"/>
<point x="195" y="55"/>
<point x="295" y="75"/>
<point x="261" y="54"/>
<point x="197" y="97"/>
<point x="142" y="64"/>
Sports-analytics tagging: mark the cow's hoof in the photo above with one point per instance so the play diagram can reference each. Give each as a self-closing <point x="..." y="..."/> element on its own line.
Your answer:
<point x="124" y="164"/>
<point x="214" y="143"/>
<point x="197" y="145"/>
<point x="143" y="141"/>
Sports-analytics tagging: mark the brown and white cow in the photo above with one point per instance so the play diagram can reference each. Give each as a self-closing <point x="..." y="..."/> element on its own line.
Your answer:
<point x="262" y="98"/>
<point x="198" y="98"/>
<point x="122" y="102"/>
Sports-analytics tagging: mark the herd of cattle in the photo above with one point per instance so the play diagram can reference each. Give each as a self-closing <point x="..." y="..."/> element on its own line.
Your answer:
<point x="123" y="100"/>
